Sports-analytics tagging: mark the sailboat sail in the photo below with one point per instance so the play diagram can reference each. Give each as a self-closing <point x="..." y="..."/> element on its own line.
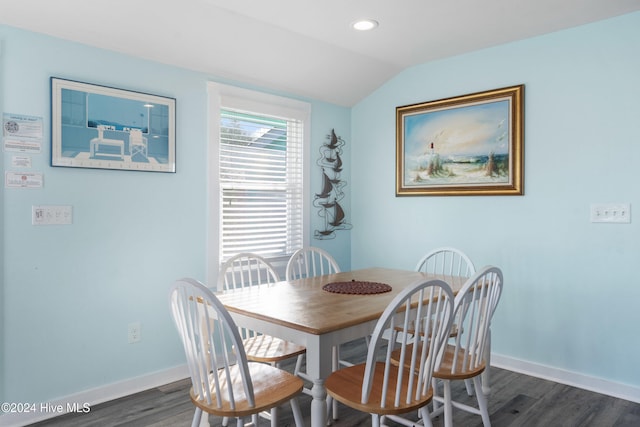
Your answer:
<point x="327" y="187"/>
<point x="338" y="166"/>
<point x="338" y="216"/>
<point x="333" y="144"/>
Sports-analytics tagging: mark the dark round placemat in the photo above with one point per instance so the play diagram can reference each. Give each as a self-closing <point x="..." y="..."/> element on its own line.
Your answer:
<point x="357" y="287"/>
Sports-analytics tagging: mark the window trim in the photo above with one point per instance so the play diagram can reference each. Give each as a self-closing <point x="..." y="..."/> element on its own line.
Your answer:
<point x="245" y="99"/>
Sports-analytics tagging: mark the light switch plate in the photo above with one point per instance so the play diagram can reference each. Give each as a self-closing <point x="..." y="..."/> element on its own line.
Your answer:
<point x="51" y="215"/>
<point x="619" y="213"/>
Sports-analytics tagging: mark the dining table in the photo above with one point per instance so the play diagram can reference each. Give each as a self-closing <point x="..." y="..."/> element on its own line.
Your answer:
<point x="304" y="312"/>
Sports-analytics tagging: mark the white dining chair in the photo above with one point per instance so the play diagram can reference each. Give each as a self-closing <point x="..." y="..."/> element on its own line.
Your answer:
<point x="249" y="272"/>
<point x="223" y="382"/>
<point x="465" y="357"/>
<point x="387" y="389"/>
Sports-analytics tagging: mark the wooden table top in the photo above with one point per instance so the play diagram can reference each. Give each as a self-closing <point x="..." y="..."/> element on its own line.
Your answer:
<point x="303" y="304"/>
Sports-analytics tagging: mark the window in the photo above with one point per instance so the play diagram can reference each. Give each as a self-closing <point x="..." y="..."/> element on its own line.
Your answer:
<point x="260" y="184"/>
<point x="74" y="107"/>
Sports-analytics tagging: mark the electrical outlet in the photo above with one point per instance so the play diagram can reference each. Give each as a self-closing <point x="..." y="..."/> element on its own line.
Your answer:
<point x="619" y="213"/>
<point x="134" y="334"/>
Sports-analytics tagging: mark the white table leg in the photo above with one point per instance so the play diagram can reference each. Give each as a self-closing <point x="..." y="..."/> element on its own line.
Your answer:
<point x="319" y="363"/>
<point x="318" y="404"/>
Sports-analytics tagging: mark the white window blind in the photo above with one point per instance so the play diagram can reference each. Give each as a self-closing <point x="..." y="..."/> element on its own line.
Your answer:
<point x="261" y="184"/>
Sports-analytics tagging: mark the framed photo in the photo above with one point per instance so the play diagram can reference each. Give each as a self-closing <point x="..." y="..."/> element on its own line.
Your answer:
<point x="467" y="145"/>
<point x="101" y="127"/>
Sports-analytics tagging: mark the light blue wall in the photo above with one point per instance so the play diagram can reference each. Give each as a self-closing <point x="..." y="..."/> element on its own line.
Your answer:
<point x="69" y="292"/>
<point x="571" y="287"/>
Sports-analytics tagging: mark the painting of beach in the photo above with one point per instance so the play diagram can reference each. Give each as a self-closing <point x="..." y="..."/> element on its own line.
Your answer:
<point x="458" y="147"/>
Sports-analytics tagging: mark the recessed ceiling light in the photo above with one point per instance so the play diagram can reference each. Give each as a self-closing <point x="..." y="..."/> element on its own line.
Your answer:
<point x="364" y="24"/>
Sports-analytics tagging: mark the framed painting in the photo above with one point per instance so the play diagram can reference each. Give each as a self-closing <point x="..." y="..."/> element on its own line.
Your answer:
<point x="101" y="127"/>
<point x="467" y="145"/>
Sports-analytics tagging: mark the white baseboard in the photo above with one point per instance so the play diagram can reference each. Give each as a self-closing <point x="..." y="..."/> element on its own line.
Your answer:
<point x="574" y="379"/>
<point x="79" y="402"/>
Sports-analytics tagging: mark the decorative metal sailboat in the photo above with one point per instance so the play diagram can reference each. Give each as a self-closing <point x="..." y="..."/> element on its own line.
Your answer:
<point x="327" y="187"/>
<point x="338" y="215"/>
<point x="337" y="163"/>
<point x="327" y="200"/>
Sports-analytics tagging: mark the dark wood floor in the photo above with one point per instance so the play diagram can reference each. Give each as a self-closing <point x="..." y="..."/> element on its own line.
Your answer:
<point x="516" y="400"/>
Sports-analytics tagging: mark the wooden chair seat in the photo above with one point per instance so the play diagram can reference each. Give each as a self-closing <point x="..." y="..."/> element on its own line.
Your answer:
<point x="345" y="385"/>
<point x="395" y="354"/>
<point x="446" y="370"/>
<point x="412" y="332"/>
<point x="446" y="366"/>
<point x="268" y="349"/>
<point x="271" y="387"/>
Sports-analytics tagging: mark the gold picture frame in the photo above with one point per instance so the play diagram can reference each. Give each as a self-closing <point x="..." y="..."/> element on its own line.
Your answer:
<point x="466" y="145"/>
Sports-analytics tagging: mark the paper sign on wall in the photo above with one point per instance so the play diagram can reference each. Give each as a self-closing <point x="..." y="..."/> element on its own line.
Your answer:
<point x="23" y="180"/>
<point x="22" y="133"/>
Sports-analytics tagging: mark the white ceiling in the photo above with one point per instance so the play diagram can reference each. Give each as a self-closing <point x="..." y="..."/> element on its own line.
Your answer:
<point x="303" y="47"/>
